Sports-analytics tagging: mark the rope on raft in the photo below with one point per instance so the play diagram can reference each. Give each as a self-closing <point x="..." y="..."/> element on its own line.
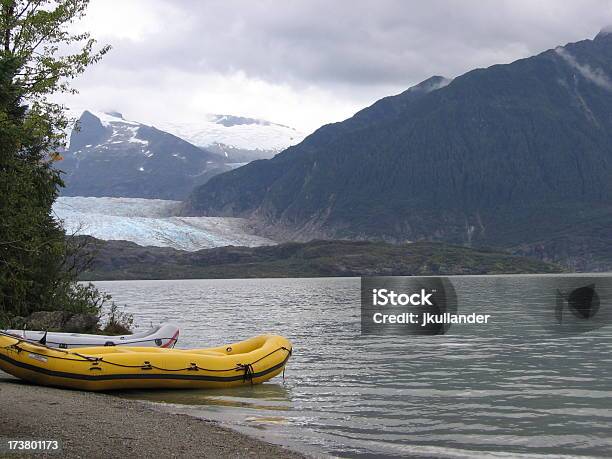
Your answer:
<point x="248" y="372"/>
<point x="95" y="361"/>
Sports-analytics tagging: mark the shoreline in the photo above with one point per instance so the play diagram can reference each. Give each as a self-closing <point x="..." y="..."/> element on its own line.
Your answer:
<point x="98" y="425"/>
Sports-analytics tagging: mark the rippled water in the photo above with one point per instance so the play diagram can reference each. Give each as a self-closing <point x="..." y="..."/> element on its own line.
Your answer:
<point x="509" y="388"/>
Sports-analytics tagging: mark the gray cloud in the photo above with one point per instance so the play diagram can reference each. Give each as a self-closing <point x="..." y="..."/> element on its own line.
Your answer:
<point x="594" y="75"/>
<point x="357" y="49"/>
<point x="361" y="42"/>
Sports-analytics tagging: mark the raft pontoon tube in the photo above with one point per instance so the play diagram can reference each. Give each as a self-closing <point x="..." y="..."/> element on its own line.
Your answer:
<point x="164" y="335"/>
<point x="117" y="367"/>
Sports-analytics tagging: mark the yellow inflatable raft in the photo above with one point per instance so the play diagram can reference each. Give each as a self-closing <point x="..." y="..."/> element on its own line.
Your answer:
<point x="116" y="367"/>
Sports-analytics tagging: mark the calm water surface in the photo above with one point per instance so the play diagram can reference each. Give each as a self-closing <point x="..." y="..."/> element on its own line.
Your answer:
<point x="506" y="389"/>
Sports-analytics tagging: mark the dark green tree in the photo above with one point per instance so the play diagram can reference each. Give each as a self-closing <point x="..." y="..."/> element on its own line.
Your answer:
<point x="37" y="59"/>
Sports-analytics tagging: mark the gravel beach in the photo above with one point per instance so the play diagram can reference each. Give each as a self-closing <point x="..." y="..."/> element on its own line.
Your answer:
<point x="101" y="426"/>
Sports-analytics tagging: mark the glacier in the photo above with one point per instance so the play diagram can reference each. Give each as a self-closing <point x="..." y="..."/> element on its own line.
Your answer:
<point x="210" y="130"/>
<point x="151" y="222"/>
<point x="253" y="136"/>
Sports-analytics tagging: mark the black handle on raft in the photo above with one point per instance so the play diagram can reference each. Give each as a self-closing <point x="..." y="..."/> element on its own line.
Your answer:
<point x="248" y="372"/>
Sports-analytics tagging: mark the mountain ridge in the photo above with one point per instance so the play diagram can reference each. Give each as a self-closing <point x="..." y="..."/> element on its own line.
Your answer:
<point x="237" y="138"/>
<point x="461" y="163"/>
<point x="111" y="156"/>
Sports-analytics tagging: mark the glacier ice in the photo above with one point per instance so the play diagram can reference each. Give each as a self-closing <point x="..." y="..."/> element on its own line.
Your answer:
<point x="208" y="131"/>
<point x="151" y="222"/>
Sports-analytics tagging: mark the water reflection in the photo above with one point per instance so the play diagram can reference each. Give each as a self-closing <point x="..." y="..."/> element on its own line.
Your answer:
<point x="270" y="396"/>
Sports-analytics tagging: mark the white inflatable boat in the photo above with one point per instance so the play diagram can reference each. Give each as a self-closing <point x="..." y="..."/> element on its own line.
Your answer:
<point x="165" y="335"/>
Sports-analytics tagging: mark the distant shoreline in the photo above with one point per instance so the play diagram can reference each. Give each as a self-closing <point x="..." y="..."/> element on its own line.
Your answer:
<point x="122" y="260"/>
<point x="97" y="425"/>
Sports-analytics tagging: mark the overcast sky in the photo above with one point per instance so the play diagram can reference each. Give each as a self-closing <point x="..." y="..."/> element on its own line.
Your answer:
<point x="305" y="63"/>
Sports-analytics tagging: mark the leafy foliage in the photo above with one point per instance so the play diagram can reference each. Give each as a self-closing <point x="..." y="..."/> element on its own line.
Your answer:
<point x="36" y="272"/>
<point x="117" y="322"/>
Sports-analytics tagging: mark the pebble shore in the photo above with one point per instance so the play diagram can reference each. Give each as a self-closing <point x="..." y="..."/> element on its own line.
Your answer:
<point x="102" y="426"/>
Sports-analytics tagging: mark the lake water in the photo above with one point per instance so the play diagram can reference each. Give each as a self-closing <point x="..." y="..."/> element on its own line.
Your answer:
<point x="510" y="388"/>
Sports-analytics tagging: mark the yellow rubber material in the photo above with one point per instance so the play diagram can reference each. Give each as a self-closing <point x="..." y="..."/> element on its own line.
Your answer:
<point x="109" y="368"/>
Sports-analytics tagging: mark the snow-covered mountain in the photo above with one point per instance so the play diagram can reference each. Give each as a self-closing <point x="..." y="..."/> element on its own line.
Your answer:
<point x="237" y="138"/>
<point x="111" y="156"/>
<point x="151" y="222"/>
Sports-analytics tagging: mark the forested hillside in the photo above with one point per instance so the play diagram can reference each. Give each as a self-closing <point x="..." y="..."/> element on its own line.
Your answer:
<point x="512" y="156"/>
